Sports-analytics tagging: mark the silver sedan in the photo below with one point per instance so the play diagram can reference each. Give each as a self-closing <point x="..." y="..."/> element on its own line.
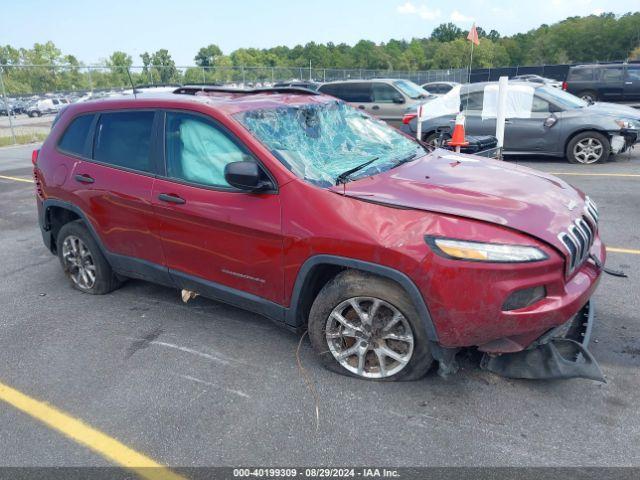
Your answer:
<point x="556" y="124"/>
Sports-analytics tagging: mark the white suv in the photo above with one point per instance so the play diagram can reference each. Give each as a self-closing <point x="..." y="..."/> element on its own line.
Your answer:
<point x="47" y="105"/>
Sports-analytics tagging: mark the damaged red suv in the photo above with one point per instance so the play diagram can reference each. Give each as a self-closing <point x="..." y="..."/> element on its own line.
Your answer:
<point x="298" y="207"/>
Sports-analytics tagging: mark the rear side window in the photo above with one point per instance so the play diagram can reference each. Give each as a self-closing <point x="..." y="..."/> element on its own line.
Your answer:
<point x="123" y="139"/>
<point x="356" y="92"/>
<point x="581" y="74"/>
<point x="612" y="74"/>
<point x="74" y="138"/>
<point x="331" y="89"/>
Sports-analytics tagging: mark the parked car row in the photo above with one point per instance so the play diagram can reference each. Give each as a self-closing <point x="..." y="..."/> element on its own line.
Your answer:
<point x="549" y="122"/>
<point x="33" y="106"/>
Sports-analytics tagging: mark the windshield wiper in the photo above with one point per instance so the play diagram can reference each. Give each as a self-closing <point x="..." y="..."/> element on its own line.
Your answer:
<point x="344" y="176"/>
<point x="406" y="159"/>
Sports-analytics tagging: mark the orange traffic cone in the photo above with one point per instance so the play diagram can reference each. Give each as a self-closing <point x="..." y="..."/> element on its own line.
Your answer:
<point x="458" y="140"/>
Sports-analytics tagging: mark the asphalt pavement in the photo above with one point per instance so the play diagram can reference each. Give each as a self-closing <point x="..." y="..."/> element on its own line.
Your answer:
<point x="207" y="384"/>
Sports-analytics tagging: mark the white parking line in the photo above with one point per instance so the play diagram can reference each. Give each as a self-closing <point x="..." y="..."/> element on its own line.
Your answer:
<point x="191" y="351"/>
<point x="209" y="384"/>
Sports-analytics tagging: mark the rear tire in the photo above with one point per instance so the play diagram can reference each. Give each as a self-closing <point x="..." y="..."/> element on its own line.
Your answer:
<point x="384" y="342"/>
<point x="588" y="147"/>
<point x="589" y="96"/>
<point x="82" y="261"/>
<point x="433" y="138"/>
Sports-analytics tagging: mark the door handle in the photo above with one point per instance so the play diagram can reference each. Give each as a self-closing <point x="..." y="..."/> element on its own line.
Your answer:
<point x="84" y="178"/>
<point x="361" y="107"/>
<point x="628" y="83"/>
<point x="508" y="122"/>
<point x="171" y="198"/>
<point x="375" y="107"/>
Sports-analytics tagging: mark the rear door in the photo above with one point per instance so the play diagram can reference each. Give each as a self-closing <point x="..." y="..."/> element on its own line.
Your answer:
<point x="611" y="83"/>
<point x="632" y="82"/>
<point x="213" y="234"/>
<point x="113" y="187"/>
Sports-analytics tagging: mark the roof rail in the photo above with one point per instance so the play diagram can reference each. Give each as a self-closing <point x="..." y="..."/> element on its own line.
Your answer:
<point x="193" y="89"/>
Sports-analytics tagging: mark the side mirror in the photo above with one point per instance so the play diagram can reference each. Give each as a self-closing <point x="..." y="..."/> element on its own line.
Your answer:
<point x="550" y="121"/>
<point x="246" y="176"/>
<point x="399" y="99"/>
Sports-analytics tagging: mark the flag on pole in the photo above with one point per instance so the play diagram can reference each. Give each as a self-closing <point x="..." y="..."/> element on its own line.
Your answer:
<point x="473" y="35"/>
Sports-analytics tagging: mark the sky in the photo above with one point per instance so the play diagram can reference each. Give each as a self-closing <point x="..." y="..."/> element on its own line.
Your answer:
<point x="92" y="30"/>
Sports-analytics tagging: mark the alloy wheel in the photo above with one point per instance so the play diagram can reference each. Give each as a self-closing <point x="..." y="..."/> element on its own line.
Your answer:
<point x="369" y="337"/>
<point x="588" y="150"/>
<point x="587" y="97"/>
<point x="79" y="262"/>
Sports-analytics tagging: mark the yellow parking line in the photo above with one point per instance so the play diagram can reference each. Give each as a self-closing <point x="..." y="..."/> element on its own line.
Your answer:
<point x="83" y="434"/>
<point x="597" y="174"/>
<point x="16" y="179"/>
<point x="623" y="250"/>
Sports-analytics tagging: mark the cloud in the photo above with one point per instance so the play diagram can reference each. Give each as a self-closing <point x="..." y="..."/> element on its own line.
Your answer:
<point x="458" y="17"/>
<point x="422" y="11"/>
<point x="598" y="11"/>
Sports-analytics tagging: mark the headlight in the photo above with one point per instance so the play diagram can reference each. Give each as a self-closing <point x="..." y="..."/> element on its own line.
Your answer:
<point x="484" y="252"/>
<point x="626" y="123"/>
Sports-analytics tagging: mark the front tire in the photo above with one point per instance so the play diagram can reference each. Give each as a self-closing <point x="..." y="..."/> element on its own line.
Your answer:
<point x="588" y="147"/>
<point x="82" y="261"/>
<point x="366" y="326"/>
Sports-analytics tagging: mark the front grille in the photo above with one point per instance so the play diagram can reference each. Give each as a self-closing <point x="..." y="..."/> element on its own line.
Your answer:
<point x="579" y="236"/>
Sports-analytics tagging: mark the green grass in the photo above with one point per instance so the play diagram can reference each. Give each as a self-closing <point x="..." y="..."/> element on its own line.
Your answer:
<point x="23" y="139"/>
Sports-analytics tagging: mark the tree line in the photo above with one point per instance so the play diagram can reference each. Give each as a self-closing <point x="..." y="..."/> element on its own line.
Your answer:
<point x="604" y="37"/>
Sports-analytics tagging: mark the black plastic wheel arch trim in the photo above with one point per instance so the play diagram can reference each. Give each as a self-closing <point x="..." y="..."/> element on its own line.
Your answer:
<point x="403" y="280"/>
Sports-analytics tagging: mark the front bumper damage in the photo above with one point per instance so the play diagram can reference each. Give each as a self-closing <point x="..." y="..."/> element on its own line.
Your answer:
<point x="623" y="140"/>
<point x="558" y="354"/>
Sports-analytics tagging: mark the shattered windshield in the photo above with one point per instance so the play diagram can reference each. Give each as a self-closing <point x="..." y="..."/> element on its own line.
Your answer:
<point x="319" y="142"/>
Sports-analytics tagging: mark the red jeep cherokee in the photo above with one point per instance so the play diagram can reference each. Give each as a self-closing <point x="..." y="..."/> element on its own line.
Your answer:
<point x="296" y="206"/>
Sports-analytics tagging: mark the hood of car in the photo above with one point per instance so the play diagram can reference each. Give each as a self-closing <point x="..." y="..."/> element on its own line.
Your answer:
<point x="474" y="187"/>
<point x="616" y="110"/>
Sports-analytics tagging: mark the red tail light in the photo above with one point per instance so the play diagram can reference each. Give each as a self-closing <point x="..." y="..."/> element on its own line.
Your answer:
<point x="565" y="86"/>
<point x="408" y="117"/>
<point x="34" y="157"/>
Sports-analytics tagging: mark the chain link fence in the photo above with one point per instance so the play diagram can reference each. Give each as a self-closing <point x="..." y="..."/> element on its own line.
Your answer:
<point x="32" y="94"/>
